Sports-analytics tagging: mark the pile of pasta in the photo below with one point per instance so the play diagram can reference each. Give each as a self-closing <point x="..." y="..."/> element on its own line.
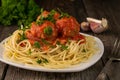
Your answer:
<point x="43" y="48"/>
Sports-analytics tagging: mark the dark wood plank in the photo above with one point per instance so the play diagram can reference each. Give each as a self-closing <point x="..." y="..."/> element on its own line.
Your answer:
<point x="2" y="69"/>
<point x="113" y="14"/>
<point x="4" y="32"/>
<point x="21" y="74"/>
<point x="98" y="10"/>
<point x="109" y="9"/>
<point x="2" y="65"/>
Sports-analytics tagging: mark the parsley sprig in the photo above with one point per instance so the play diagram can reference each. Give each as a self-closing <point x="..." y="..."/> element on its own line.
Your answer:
<point x="48" y="30"/>
<point x="63" y="14"/>
<point x="22" y="36"/>
<point x="44" y="41"/>
<point x="36" y="44"/>
<point x="50" y="17"/>
<point x="39" y="61"/>
<point x="63" y="47"/>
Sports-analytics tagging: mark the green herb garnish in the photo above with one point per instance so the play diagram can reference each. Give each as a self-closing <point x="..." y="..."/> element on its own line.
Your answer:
<point x="48" y="30"/>
<point x="22" y="36"/>
<point x="58" y="43"/>
<point x="84" y="50"/>
<point x="64" y="47"/>
<point x="39" y="61"/>
<point x="36" y="44"/>
<point x="29" y="51"/>
<point x="41" y="10"/>
<point x="45" y="61"/>
<point x="52" y="46"/>
<point x="44" y="41"/>
<point x="64" y="15"/>
<point x="18" y="11"/>
<point x="50" y="17"/>
<point x="40" y="21"/>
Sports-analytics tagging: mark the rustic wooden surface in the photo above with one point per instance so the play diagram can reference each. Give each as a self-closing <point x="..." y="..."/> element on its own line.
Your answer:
<point x="80" y="9"/>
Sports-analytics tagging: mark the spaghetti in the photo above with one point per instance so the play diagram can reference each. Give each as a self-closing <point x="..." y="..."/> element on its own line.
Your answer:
<point x="53" y="57"/>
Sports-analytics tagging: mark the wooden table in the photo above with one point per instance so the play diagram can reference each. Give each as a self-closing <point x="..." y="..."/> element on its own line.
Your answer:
<point x="80" y="9"/>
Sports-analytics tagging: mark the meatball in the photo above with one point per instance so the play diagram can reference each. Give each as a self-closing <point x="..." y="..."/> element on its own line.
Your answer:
<point x="68" y="27"/>
<point x="45" y="31"/>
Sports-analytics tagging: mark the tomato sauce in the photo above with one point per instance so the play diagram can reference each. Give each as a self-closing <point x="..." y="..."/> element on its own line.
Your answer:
<point x="63" y="29"/>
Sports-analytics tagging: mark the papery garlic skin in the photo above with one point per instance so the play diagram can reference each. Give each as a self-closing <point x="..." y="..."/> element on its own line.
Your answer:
<point x="93" y="20"/>
<point x="85" y="26"/>
<point x="104" y="23"/>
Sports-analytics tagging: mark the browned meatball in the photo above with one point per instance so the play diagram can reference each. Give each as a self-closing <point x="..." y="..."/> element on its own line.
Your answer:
<point x="45" y="31"/>
<point x="68" y="27"/>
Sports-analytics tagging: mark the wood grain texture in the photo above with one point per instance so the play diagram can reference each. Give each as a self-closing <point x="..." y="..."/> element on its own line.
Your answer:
<point x="21" y="74"/>
<point x="4" y="32"/>
<point x="79" y="9"/>
<point x="98" y="10"/>
<point x="2" y="69"/>
<point x="108" y="9"/>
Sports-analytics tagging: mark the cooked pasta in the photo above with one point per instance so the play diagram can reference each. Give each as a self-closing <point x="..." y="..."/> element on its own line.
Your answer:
<point x="53" y="57"/>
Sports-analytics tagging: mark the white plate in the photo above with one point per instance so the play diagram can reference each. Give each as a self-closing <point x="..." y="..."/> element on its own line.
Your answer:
<point x="76" y="68"/>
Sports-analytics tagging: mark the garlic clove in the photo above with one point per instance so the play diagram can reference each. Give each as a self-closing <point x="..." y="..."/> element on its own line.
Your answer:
<point x="85" y="26"/>
<point x="93" y="20"/>
<point x="104" y="23"/>
<point x="98" y="26"/>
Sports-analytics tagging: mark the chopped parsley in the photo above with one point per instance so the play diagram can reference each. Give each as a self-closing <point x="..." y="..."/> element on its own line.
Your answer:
<point x="40" y="21"/>
<point x="48" y="30"/>
<point x="44" y="41"/>
<point x="84" y="50"/>
<point x="22" y="36"/>
<point x="50" y="17"/>
<point x="52" y="12"/>
<point x="58" y="43"/>
<point x="36" y="44"/>
<point x="64" y="47"/>
<point x="52" y="46"/>
<point x="64" y="15"/>
<point x="41" y="10"/>
<point x="45" y="61"/>
<point x="39" y="61"/>
<point x="23" y="28"/>
<point x="29" y="51"/>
